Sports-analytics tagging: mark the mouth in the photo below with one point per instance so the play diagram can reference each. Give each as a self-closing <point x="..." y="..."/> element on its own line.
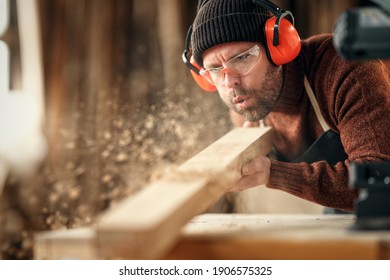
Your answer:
<point x="239" y="99"/>
<point x="241" y="102"/>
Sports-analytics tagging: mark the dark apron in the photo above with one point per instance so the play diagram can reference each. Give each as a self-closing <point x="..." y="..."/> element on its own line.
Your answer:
<point x="329" y="148"/>
<point x="326" y="148"/>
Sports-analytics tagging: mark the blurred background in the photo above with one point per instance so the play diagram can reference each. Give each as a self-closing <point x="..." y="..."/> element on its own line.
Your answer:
<point x="119" y="106"/>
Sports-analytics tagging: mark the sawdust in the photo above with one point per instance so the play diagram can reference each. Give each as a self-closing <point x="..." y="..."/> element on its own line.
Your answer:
<point x="131" y="152"/>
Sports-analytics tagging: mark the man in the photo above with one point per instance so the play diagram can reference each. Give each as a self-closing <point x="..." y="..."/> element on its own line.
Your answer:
<point x="325" y="112"/>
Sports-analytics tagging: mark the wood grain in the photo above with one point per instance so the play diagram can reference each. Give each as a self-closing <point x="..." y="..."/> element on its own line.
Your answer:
<point x="147" y="225"/>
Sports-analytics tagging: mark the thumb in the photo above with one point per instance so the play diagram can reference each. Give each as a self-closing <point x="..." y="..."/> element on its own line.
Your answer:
<point x="248" y="168"/>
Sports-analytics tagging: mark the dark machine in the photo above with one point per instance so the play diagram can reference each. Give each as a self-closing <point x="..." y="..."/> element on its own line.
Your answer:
<point x="373" y="204"/>
<point x="363" y="33"/>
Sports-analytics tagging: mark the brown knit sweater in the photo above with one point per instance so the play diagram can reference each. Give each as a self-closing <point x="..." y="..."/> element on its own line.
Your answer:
<point x="354" y="99"/>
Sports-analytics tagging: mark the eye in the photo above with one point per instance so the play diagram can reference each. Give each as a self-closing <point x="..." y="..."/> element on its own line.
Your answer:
<point x="214" y="69"/>
<point x="243" y="57"/>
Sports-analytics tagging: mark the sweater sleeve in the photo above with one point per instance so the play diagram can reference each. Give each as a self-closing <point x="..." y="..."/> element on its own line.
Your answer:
<point x="317" y="182"/>
<point x="354" y="98"/>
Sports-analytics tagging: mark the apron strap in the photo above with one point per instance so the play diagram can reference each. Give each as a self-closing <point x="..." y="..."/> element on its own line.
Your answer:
<point x="314" y="103"/>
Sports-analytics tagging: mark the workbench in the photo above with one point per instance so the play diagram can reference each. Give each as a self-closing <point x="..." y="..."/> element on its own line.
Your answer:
<point x="243" y="236"/>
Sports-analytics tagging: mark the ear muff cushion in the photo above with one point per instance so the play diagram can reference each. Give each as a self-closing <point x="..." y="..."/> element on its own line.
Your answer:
<point x="206" y="86"/>
<point x="289" y="41"/>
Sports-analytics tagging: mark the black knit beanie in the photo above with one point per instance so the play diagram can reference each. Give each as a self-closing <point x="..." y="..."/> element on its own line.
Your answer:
<point x="223" y="21"/>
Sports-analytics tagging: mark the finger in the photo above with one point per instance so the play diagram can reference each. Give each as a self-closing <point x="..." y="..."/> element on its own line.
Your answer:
<point x="246" y="182"/>
<point x="259" y="164"/>
<point x="251" y="167"/>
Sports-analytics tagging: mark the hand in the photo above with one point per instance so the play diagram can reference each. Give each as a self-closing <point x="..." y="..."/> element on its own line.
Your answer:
<point x="254" y="173"/>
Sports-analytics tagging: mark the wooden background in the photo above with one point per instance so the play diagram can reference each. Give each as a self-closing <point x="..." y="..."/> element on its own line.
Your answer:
<point x="120" y="107"/>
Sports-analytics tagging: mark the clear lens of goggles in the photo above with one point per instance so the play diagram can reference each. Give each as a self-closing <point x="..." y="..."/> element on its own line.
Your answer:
<point x="239" y="65"/>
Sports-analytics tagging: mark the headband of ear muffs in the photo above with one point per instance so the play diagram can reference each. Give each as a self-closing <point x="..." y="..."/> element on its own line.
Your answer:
<point x="282" y="41"/>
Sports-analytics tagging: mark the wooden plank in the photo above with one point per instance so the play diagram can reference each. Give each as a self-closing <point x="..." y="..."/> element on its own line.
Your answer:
<point x="147" y="224"/>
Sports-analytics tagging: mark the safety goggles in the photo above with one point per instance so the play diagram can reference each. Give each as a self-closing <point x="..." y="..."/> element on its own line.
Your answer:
<point x="237" y="66"/>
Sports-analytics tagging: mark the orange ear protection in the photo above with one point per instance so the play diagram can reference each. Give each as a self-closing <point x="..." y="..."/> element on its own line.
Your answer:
<point x="194" y="67"/>
<point x="205" y="85"/>
<point x="283" y="43"/>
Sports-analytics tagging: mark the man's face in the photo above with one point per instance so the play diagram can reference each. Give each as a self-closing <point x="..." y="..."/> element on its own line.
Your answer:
<point x="252" y="95"/>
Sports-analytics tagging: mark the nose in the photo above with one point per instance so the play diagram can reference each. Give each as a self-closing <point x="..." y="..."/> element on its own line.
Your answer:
<point x="230" y="78"/>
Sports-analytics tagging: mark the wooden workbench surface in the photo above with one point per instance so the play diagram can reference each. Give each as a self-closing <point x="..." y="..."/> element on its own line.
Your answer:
<point x="243" y="236"/>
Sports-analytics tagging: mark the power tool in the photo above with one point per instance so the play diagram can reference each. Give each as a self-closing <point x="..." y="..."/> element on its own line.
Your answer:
<point x="364" y="32"/>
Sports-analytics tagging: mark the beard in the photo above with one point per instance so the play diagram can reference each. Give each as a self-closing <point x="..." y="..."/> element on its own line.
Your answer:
<point x="265" y="98"/>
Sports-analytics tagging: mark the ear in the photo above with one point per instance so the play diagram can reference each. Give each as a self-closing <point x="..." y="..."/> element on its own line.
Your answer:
<point x="206" y="86"/>
<point x="289" y="41"/>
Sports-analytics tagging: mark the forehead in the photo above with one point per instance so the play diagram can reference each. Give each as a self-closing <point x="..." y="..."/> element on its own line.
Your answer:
<point x="223" y="52"/>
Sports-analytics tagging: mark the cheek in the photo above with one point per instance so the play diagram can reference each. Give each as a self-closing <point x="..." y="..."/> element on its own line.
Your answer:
<point x="224" y="95"/>
<point x="258" y="75"/>
<point x="258" y="80"/>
